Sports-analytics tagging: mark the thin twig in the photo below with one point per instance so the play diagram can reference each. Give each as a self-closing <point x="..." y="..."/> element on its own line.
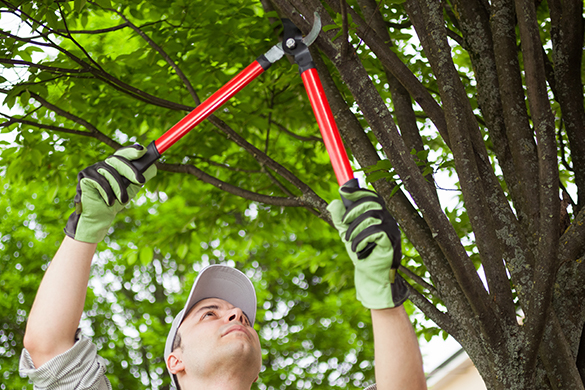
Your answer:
<point x="278" y="183"/>
<point x="345" y="29"/>
<point x="562" y="147"/>
<point x="163" y="54"/>
<point x="99" y="31"/>
<point x="420" y="281"/>
<point x="454" y="36"/>
<point x="42" y="67"/>
<point x="443" y="320"/>
<point x="299" y="137"/>
<point x="192" y="170"/>
<point x="73" y="39"/>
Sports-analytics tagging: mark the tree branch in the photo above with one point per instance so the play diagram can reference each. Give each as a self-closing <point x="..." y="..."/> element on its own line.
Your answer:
<point x="399" y="70"/>
<point x="572" y="242"/>
<point x="344" y="29"/>
<point x="474" y="23"/>
<point x="163" y="54"/>
<point x="309" y="195"/>
<point x="271" y="200"/>
<point x="376" y="113"/>
<point x="216" y="164"/>
<point x="548" y="177"/>
<point x="286" y="131"/>
<point x="518" y="132"/>
<point x="41" y="66"/>
<point x="278" y="184"/>
<point x="98" y="31"/>
<point x="399" y="26"/>
<point x="109" y="79"/>
<point x="567" y="37"/>
<point x="68" y="35"/>
<point x="102" y="137"/>
<point x="74" y="118"/>
<point x="443" y="320"/>
<point x="401" y="100"/>
<point x="454" y="36"/>
<point x="420" y="281"/>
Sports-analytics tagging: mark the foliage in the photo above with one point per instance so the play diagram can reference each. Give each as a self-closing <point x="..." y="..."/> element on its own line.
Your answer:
<point x="498" y="116"/>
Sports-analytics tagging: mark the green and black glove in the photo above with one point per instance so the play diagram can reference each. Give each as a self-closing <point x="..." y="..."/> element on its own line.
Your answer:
<point x="372" y="239"/>
<point x="103" y="189"/>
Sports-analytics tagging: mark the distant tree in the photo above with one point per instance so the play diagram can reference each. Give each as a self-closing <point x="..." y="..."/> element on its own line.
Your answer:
<point x="492" y="97"/>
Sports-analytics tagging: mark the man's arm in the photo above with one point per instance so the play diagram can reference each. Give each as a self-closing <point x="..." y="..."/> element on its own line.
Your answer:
<point x="398" y="359"/>
<point x="372" y="239"/>
<point x="102" y="191"/>
<point x="58" y="306"/>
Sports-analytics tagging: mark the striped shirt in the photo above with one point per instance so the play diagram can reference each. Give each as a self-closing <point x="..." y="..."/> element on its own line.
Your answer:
<point x="78" y="368"/>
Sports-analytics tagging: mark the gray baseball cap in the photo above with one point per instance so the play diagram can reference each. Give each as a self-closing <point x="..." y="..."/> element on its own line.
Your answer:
<point x="216" y="281"/>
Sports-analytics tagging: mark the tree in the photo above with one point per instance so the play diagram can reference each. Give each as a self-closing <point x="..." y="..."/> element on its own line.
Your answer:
<point x="492" y="97"/>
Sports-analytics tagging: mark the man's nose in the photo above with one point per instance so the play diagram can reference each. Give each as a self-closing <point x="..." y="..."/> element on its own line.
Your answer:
<point x="236" y="314"/>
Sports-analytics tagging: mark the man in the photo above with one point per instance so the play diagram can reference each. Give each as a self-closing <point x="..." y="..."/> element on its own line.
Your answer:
<point x="212" y="343"/>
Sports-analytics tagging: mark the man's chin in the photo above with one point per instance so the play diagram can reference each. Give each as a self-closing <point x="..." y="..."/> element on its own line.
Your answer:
<point x="241" y="348"/>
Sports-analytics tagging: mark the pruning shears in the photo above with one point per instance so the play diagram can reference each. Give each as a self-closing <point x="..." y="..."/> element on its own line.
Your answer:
<point x="297" y="46"/>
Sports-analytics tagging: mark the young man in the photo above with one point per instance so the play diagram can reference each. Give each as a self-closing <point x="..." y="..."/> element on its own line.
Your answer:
<point x="212" y="343"/>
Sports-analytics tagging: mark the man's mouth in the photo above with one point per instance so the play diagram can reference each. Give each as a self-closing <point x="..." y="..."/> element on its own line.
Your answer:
<point x="236" y="328"/>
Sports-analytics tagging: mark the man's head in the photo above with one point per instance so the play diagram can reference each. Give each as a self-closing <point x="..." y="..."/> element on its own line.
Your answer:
<point x="214" y="334"/>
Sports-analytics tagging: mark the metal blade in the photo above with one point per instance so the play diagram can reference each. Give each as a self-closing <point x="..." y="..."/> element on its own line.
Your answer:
<point x="315" y="30"/>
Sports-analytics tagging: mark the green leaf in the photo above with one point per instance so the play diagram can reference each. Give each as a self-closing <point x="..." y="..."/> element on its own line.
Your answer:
<point x="428" y="171"/>
<point x="182" y="250"/>
<point x="52" y="194"/>
<point x="136" y="13"/>
<point x="37" y="157"/>
<point x="330" y="27"/>
<point x="423" y="155"/>
<point x="79" y="4"/>
<point x="272" y="14"/>
<point x="52" y="20"/>
<point x="395" y="189"/>
<point x="132" y="257"/>
<point x="375" y="176"/>
<point x="104" y="3"/>
<point x="24" y="97"/>
<point x="146" y="255"/>
<point x="384" y="165"/>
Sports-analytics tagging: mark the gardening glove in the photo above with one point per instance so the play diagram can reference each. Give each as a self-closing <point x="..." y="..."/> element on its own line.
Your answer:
<point x="103" y="189"/>
<point x="372" y="240"/>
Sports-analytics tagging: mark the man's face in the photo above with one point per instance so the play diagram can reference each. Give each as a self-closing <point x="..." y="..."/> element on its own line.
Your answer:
<point x="217" y="337"/>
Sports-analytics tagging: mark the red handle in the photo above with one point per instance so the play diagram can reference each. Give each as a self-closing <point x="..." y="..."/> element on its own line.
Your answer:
<point x="206" y="108"/>
<point x="326" y="122"/>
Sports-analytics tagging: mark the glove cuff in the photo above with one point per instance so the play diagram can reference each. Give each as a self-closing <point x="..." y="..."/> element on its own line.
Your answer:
<point x="376" y="291"/>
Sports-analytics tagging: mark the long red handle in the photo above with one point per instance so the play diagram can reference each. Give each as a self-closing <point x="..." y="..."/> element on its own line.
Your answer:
<point x="206" y="108"/>
<point x="326" y="122"/>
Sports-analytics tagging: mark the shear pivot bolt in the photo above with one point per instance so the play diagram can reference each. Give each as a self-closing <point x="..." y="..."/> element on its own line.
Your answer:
<point x="290" y="43"/>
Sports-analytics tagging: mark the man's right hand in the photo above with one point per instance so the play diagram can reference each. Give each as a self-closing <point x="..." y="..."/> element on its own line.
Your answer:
<point x="103" y="189"/>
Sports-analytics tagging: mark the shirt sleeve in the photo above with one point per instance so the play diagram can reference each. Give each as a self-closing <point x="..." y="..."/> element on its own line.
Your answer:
<point x="79" y="368"/>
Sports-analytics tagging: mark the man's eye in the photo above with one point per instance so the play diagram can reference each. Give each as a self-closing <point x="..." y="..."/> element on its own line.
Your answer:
<point x="208" y="314"/>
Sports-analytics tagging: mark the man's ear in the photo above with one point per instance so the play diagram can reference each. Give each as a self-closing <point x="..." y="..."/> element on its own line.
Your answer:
<point x="175" y="362"/>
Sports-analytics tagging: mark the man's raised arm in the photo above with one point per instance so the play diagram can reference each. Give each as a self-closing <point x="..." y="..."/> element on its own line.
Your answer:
<point x="57" y="308"/>
<point x="103" y="190"/>
<point x="372" y="240"/>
